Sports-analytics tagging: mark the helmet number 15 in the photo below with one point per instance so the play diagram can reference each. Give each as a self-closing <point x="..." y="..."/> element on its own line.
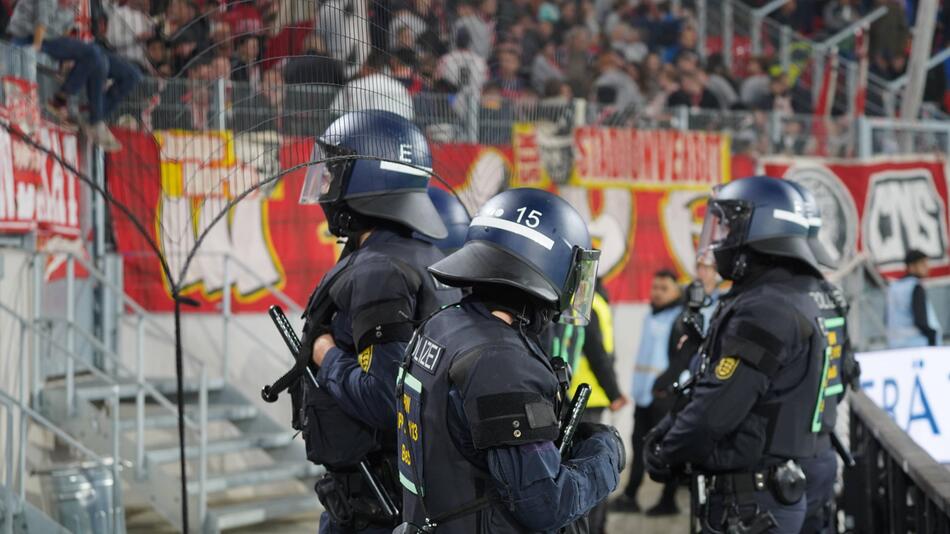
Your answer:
<point x="532" y="220"/>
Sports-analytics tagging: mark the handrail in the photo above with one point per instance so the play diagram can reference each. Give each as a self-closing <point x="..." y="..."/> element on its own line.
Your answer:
<point x="49" y="425"/>
<point x="113" y="357"/>
<point x="896" y="486"/>
<point x="137" y="308"/>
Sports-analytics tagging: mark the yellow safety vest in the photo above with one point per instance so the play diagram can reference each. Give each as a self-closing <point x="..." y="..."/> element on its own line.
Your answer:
<point x="570" y="343"/>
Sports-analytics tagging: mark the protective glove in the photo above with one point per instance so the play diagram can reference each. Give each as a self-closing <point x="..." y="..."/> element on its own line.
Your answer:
<point x="658" y="468"/>
<point x="587" y="430"/>
<point x="693" y="323"/>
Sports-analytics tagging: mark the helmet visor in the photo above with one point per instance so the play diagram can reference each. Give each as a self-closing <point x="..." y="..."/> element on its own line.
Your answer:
<point x="726" y="225"/>
<point x="577" y="303"/>
<point x="327" y="174"/>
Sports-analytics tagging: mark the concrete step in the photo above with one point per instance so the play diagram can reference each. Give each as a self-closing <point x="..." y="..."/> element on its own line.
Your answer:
<point x="158" y="417"/>
<point x="170" y="453"/>
<point x="262" y="475"/>
<point x="255" y="512"/>
<point x="97" y="390"/>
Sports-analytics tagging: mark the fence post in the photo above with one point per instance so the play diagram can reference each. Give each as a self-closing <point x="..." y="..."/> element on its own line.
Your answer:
<point x="701" y="21"/>
<point x="785" y="45"/>
<point x="220" y="98"/>
<point x="38" y="265"/>
<point x="203" y="444"/>
<point x="226" y="318"/>
<point x="140" y="398"/>
<point x="9" y="504"/>
<point x="70" y="335"/>
<point x="727" y="24"/>
<point x="865" y="144"/>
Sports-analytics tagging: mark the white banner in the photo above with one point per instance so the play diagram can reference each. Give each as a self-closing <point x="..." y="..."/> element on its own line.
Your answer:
<point x="913" y="387"/>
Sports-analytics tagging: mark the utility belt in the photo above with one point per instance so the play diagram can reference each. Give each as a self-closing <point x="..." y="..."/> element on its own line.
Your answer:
<point x="362" y="497"/>
<point x="785" y="481"/>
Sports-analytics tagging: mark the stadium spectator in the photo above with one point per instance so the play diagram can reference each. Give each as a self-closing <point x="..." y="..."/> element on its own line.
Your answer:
<point x="719" y="82"/>
<point x="651" y="361"/>
<point x="508" y="76"/>
<point x="245" y="65"/>
<point x="577" y="60"/>
<point x="293" y="23"/>
<point x="344" y="25"/>
<point x="314" y="65"/>
<point x="186" y="34"/>
<point x="755" y="87"/>
<point x="374" y="88"/>
<point x="462" y="69"/>
<point x="838" y="14"/>
<point x="158" y="57"/>
<point x="408" y="23"/>
<point x="44" y="25"/>
<point x="403" y="65"/>
<point x="785" y="100"/>
<point x="480" y="24"/>
<point x="129" y="29"/>
<point x="889" y="34"/>
<point x="692" y="93"/>
<point x="613" y="79"/>
<point x="625" y="40"/>
<point x="545" y="68"/>
<point x="911" y="320"/>
<point x="668" y="84"/>
<point x="686" y="43"/>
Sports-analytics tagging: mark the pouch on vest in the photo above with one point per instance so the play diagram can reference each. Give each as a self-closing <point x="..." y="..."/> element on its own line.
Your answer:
<point x="333" y="438"/>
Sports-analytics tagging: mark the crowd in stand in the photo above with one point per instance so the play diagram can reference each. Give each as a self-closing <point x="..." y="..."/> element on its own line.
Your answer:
<point x="637" y="57"/>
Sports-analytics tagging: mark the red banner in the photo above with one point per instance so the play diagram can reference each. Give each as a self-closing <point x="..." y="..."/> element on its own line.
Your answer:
<point x="641" y="225"/>
<point x="36" y="192"/>
<point x="880" y="207"/>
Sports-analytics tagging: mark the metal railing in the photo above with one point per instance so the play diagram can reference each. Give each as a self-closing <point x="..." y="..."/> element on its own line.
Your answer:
<point x="120" y="372"/>
<point x="16" y="450"/>
<point x="896" y="486"/>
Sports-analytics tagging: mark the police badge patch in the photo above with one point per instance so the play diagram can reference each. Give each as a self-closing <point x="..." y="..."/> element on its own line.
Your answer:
<point x="366" y="358"/>
<point x="726" y="367"/>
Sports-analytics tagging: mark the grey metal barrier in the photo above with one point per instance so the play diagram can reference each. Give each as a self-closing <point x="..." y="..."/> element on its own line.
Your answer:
<point x="896" y="487"/>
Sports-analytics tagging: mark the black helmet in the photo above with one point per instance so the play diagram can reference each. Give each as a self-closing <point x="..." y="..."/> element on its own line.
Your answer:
<point x="813" y="213"/>
<point x="760" y="213"/>
<point x="376" y="164"/>
<point x="531" y="240"/>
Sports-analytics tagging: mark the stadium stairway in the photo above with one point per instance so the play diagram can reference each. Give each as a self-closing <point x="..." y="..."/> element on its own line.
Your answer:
<point x="244" y="467"/>
<point x="256" y="469"/>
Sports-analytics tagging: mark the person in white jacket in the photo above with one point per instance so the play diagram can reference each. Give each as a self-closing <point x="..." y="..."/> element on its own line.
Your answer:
<point x="373" y="88"/>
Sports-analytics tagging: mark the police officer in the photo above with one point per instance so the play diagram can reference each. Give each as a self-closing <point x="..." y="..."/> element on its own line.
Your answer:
<point x="840" y="371"/>
<point x="371" y="182"/>
<point x="481" y="402"/>
<point x="750" y="416"/>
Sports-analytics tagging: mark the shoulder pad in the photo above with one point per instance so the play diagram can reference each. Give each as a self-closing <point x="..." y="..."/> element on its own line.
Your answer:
<point x="379" y="294"/>
<point x="513" y="419"/>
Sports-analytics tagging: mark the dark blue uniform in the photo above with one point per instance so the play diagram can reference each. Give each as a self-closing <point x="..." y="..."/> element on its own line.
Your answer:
<point x="753" y="406"/>
<point x="382" y="288"/>
<point x="477" y="425"/>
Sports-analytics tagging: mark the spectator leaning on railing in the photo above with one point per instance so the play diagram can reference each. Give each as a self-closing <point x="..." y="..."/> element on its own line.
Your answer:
<point x="45" y="24"/>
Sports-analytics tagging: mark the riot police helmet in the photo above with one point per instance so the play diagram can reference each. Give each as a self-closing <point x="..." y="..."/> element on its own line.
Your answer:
<point x="376" y="165"/>
<point x="454" y="216"/>
<point x="759" y="213"/>
<point x="533" y="241"/>
<point x="813" y="213"/>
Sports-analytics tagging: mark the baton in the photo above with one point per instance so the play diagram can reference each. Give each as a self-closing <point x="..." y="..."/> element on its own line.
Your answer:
<point x="270" y="392"/>
<point x="578" y="405"/>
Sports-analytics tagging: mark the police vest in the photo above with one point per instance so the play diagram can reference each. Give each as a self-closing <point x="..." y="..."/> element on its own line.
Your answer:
<point x="332" y="437"/>
<point x="441" y="453"/>
<point x="569" y="347"/>
<point x="901" y="330"/>
<point x="838" y="363"/>
<point x="794" y="395"/>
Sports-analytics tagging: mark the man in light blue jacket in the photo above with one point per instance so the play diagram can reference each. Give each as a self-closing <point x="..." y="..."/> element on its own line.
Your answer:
<point x="911" y="320"/>
<point x="652" y="359"/>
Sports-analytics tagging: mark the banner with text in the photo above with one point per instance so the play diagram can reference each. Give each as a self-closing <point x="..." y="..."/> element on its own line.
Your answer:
<point x="36" y="192"/>
<point x="641" y="224"/>
<point x="913" y="387"/>
<point x="881" y="206"/>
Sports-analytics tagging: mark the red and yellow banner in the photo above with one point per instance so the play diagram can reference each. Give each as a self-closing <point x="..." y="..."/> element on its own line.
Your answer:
<point x="184" y="180"/>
